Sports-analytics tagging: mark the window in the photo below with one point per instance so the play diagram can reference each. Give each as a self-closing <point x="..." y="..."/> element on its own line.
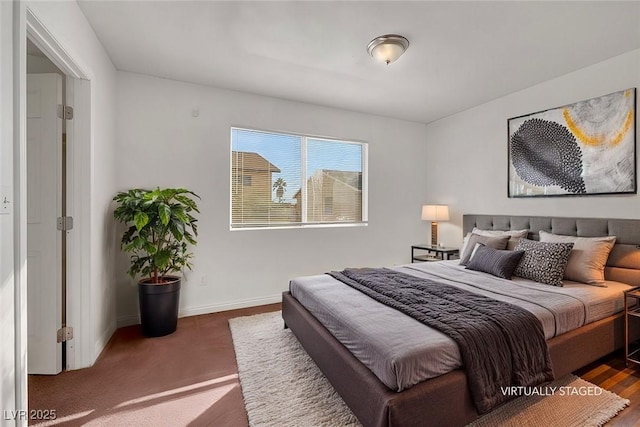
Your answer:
<point x="328" y="205"/>
<point x="268" y="188"/>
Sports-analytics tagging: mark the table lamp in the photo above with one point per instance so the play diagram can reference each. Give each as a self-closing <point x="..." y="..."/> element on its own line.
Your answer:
<point x="435" y="213"/>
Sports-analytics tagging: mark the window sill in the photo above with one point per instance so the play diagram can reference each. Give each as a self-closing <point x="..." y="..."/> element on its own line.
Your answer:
<point x="322" y="225"/>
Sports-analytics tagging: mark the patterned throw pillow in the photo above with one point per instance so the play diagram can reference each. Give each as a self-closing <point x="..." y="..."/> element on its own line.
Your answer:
<point x="543" y="262"/>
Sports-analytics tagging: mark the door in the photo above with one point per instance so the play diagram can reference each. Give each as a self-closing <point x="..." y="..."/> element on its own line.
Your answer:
<point x="44" y="195"/>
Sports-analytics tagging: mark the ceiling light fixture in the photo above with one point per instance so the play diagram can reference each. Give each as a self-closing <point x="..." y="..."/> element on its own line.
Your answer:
<point x="388" y="48"/>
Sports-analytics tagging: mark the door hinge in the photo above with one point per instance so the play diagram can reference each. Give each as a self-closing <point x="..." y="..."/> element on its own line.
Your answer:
<point x="65" y="112"/>
<point x="65" y="223"/>
<point x="65" y="334"/>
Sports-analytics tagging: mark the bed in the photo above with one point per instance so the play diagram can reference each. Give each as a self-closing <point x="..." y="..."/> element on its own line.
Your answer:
<point x="444" y="398"/>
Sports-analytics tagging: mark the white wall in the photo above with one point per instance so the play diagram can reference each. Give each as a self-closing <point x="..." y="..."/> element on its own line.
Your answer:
<point x="467" y="152"/>
<point x="66" y="22"/>
<point x="161" y="144"/>
<point x="13" y="242"/>
<point x="7" y="320"/>
<point x="37" y="64"/>
<point x="41" y="65"/>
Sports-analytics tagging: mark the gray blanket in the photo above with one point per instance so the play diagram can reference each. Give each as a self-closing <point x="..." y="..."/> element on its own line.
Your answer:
<point x="500" y="344"/>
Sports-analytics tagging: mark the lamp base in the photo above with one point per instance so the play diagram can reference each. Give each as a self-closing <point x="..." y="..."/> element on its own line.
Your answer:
<point x="434" y="234"/>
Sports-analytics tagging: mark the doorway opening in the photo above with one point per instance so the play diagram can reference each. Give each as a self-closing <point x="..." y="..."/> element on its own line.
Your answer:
<point x="74" y="158"/>
<point x="46" y="205"/>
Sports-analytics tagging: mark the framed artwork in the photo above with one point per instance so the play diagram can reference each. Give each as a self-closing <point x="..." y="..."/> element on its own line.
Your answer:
<point x="584" y="148"/>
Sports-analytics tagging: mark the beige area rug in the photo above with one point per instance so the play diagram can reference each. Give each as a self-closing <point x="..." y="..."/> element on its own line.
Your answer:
<point x="282" y="386"/>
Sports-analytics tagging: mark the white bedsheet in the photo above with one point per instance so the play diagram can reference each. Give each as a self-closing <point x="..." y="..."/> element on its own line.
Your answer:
<point x="402" y="352"/>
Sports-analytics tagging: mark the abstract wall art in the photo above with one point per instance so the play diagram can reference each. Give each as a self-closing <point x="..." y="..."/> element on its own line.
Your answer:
<point x="584" y="148"/>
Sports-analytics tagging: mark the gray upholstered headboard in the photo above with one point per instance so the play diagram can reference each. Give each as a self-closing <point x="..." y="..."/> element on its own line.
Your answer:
<point x="624" y="261"/>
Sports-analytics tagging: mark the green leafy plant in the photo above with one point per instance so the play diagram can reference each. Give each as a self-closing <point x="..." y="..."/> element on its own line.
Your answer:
<point x="161" y="226"/>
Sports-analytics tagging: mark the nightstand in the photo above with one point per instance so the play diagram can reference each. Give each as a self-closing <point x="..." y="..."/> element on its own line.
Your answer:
<point x="433" y="253"/>
<point x="631" y="321"/>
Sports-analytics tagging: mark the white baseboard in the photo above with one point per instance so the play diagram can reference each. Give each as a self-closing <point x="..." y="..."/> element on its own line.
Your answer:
<point x="252" y="302"/>
<point x="129" y="320"/>
<point x="102" y="342"/>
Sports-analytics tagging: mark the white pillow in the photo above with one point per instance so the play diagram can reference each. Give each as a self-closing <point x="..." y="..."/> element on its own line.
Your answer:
<point x="588" y="256"/>
<point x="515" y="236"/>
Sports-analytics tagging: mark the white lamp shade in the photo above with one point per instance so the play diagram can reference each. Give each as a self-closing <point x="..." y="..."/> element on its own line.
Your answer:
<point x="435" y="213"/>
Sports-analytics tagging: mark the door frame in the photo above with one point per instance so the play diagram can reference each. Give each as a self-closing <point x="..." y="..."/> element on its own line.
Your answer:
<point x="78" y="95"/>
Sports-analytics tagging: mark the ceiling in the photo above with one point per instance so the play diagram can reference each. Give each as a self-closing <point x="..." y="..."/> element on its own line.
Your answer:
<point x="462" y="54"/>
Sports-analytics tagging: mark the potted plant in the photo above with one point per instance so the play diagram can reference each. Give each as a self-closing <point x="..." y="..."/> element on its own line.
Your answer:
<point x="161" y="226"/>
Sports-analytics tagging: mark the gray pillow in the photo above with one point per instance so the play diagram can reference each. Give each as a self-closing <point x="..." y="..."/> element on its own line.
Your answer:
<point x="498" y="242"/>
<point x="542" y="261"/>
<point x="496" y="262"/>
<point x="515" y="236"/>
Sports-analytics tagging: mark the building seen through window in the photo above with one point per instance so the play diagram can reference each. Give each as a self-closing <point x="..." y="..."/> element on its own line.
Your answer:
<point x="268" y="190"/>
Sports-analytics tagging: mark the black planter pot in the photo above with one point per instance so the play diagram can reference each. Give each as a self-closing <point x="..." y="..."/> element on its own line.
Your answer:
<point x="159" y="306"/>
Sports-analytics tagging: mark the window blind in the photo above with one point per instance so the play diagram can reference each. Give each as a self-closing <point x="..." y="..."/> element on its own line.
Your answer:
<point x="267" y="185"/>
